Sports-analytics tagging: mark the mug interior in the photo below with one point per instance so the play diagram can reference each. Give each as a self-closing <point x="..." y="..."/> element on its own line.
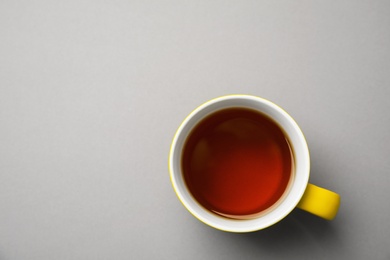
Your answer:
<point x="295" y="189"/>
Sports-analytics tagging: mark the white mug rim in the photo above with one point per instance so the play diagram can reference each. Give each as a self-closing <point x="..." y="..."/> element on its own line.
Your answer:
<point x="294" y="195"/>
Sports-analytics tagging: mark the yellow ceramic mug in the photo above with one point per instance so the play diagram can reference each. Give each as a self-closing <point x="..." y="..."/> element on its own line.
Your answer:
<point x="300" y="193"/>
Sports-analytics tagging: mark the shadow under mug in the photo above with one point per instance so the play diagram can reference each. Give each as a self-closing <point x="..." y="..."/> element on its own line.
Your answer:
<point x="300" y="193"/>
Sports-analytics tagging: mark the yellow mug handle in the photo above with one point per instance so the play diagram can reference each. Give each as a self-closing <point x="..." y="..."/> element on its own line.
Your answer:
<point x="319" y="201"/>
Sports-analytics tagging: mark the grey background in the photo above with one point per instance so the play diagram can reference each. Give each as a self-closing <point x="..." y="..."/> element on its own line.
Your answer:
<point x="91" y="93"/>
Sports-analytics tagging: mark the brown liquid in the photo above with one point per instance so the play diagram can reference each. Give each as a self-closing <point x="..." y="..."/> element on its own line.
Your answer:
<point x="237" y="162"/>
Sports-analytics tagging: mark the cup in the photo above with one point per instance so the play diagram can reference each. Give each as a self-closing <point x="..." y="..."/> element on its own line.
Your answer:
<point x="299" y="193"/>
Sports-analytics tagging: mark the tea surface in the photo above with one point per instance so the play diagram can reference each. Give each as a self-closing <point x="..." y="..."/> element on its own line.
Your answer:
<point x="237" y="162"/>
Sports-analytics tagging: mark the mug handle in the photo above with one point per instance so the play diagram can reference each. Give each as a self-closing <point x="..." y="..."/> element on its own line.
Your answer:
<point x="320" y="202"/>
